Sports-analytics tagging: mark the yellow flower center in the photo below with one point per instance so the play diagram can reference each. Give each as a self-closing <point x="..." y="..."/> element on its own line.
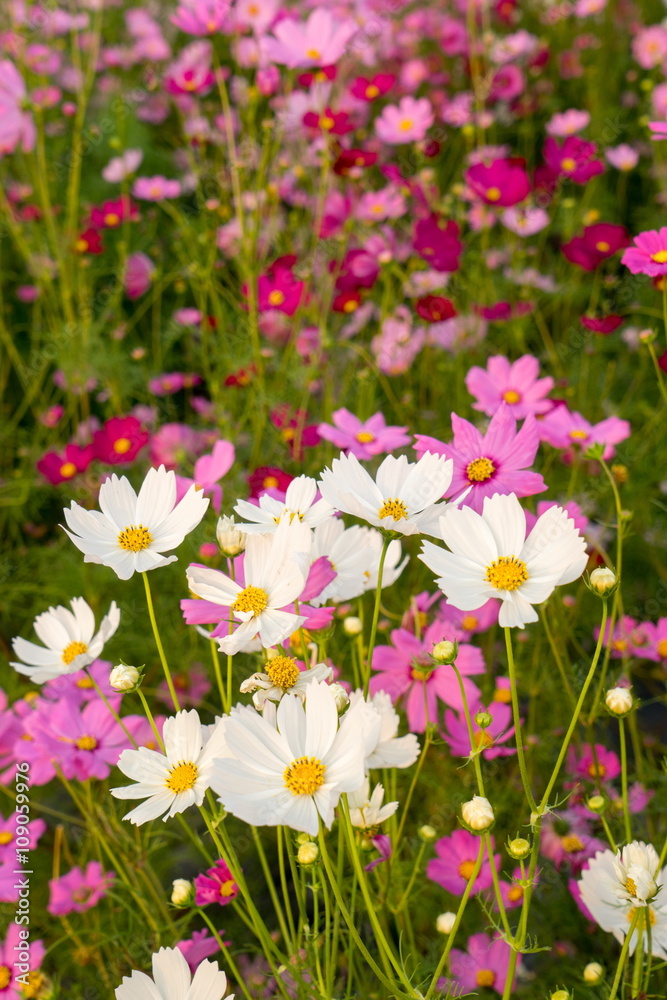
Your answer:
<point x="251" y="599"/>
<point x="468" y="622"/>
<point x="372" y="91"/>
<point x="276" y="297"/>
<point x="134" y="538"/>
<point x="571" y="843"/>
<point x="485" y="977"/>
<point x="304" y="775"/>
<point x="662" y="648"/>
<point x="602" y="246"/>
<point x="466" y="868"/>
<point x="578" y="435"/>
<point x="506" y="573"/>
<point x="660" y="257"/>
<point x="86" y="743"/>
<point x="512" y="396"/>
<point x="493" y="193"/>
<point x="568" y="164"/>
<point x="35" y="986"/>
<point x="597" y="770"/>
<point x="85" y="682"/>
<point x="630" y="915"/>
<point x="515" y="893"/>
<point x="270" y="483"/>
<point x="619" y="645"/>
<point x="111" y="219"/>
<point x="480" y="470"/>
<point x="314" y="54"/>
<point x="6" y="837"/>
<point x="283" y="671"/>
<point x="393" y="508"/>
<point x="631" y="887"/>
<point x="365" y="437"/>
<point x="227" y="888"/>
<point x="122" y="446"/>
<point x="5" y="977"/>
<point x="483" y="739"/>
<point x="67" y="470"/>
<point x="420" y="675"/>
<point x="182" y="777"/>
<point x="72" y="651"/>
<point x="350" y="306"/>
<point x="327" y="122"/>
<point x="81" y="245"/>
<point x="406" y="124"/>
<point x="502" y="695"/>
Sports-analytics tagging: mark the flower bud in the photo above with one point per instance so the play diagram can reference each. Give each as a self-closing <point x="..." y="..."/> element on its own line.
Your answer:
<point x="483" y="720"/>
<point x="341" y="696"/>
<point x="352" y="625"/>
<point x="124" y="678"/>
<point x="619" y="701"/>
<point x="596" y="803"/>
<point x="308" y="853"/>
<point x="427" y="833"/>
<point x="182" y="892"/>
<point x="519" y="848"/>
<point x="477" y="814"/>
<point x="445" y="651"/>
<point x="603" y="581"/>
<point x="230" y="539"/>
<point x="445" y="922"/>
<point x="593" y="973"/>
<point x="303" y="838"/>
<point x="560" y="995"/>
<point x="647" y="336"/>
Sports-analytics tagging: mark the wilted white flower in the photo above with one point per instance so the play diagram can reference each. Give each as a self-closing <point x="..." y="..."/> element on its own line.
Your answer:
<point x="367" y="811"/>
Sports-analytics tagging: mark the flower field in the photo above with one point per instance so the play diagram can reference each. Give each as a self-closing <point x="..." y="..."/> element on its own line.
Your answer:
<point x="333" y="491"/>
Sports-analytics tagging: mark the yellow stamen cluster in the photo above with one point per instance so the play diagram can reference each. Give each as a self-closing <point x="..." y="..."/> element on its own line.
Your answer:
<point x="572" y="844"/>
<point x="485" y="977"/>
<point x="134" y="538"/>
<point x="660" y="257"/>
<point x="283" y="671"/>
<point x="483" y="739"/>
<point x="506" y="573"/>
<point x="67" y="470"/>
<point x="652" y="919"/>
<point x="466" y="868"/>
<point x="122" y="446"/>
<point x="631" y="886"/>
<point x="86" y="743"/>
<point x="73" y="650"/>
<point x="304" y="775"/>
<point x="6" y="837"/>
<point x="365" y="437"/>
<point x="479" y="470"/>
<point x="512" y="396"/>
<point x="5" y="976"/>
<point x="251" y="599"/>
<point x="393" y="508"/>
<point x="182" y="777"/>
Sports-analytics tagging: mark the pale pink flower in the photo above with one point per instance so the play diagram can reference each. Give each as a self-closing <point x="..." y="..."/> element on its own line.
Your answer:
<point x="16" y="126"/>
<point x="517" y="384"/>
<point x="200" y="17"/>
<point x="155" y="188"/>
<point x="568" y="123"/>
<point x="122" y="166"/>
<point x="139" y="270"/>
<point x="407" y="121"/>
<point x="321" y="41"/>
<point x="622" y="157"/>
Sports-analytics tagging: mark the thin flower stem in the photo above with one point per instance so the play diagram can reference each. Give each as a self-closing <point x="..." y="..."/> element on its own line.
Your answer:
<point x="624" y="782"/>
<point x="555" y="652"/>
<point x="386" y="542"/>
<point x="158" y="643"/>
<point x="639" y="953"/>
<point x="474" y="751"/>
<point x="610" y="838"/>
<point x="291" y="936"/>
<point x="459" y="917"/>
<point x="517" y="722"/>
<point x="413" y="875"/>
<point x="151" y="720"/>
<point x="271" y="884"/>
<point x="229" y="961"/>
<point x="113" y="711"/>
<point x="496" y="886"/>
<point x="413" y="784"/>
<point x="658" y="372"/>
<point x="624" y="954"/>
<point x="215" y="658"/>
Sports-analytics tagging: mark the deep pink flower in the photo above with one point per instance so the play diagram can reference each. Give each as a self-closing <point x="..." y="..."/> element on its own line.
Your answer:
<point x="321" y="41"/>
<point x="60" y="468"/>
<point x="484" y="964"/>
<point x="278" y="288"/>
<point x="407" y="121"/>
<point x="507" y="83"/>
<point x="120" y="440"/>
<point x="9" y="968"/>
<point x="494" y="463"/>
<point x="434" y="308"/>
<point x="200" y="17"/>
<point x="502" y="182"/>
<point x="605" y="766"/>
<point x="191" y="72"/>
<point x="364" y="439"/>
<point x="110" y="214"/>
<point x="328" y="121"/>
<point x="200" y="946"/>
<point x="438" y="244"/>
<point x="453" y="867"/>
<point x="597" y="243"/>
<point x="405" y="670"/>
<point x="217" y="885"/>
<point x="79" y="890"/>
<point x="498" y="731"/>
<point x="513" y="892"/>
<point x="649" y="254"/>
<point x="85" y="743"/>
<point x="575" y="159"/>
<point x="269" y="478"/>
<point x="515" y="383"/>
<point x="369" y="90"/>
<point x="567" y="430"/>
<point x="8" y="831"/>
<point x="139" y="271"/>
<point x="602" y="324"/>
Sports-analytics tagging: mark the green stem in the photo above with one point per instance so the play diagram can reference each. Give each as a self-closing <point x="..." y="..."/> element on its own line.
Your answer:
<point x="624" y="782"/>
<point x="158" y="643"/>
<point x="517" y="722"/>
<point x="151" y="720"/>
<point x="376" y="615"/>
<point x="229" y="961"/>
<point x="624" y="954"/>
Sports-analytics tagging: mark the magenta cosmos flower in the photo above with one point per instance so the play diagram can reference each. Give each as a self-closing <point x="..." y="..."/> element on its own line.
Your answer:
<point x="649" y="254"/>
<point x="575" y="159"/>
<point x="217" y="885"/>
<point x="364" y="439"/>
<point x="438" y="243"/>
<point x="79" y="890"/>
<point x="484" y="964"/>
<point x="59" y="468"/>
<point x="10" y="967"/>
<point x="454" y="865"/>
<point x="502" y="182"/>
<point x="564" y="429"/>
<point x="485" y="740"/>
<point x="515" y="383"/>
<point x="405" y="670"/>
<point x="494" y="463"/>
<point x="597" y="243"/>
<point x="407" y="121"/>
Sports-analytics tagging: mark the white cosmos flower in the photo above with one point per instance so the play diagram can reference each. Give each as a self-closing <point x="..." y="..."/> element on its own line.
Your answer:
<point x="393" y="566"/>
<point x="599" y="886"/>
<point x="402" y="497"/>
<point x="349" y="555"/>
<point x="298" y="505"/>
<point x="129" y="533"/>
<point x="282" y="675"/>
<point x="70" y="641"/>
<point x="636" y="866"/>
<point x="367" y="811"/>
<point x="383" y="746"/>
<point x="491" y="557"/>
<point x="172" y="980"/>
<point x="176" y="779"/>
<point x="293" y="773"/>
<point x="275" y="571"/>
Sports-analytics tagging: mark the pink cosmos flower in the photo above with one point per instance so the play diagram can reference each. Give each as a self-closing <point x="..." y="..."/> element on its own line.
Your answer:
<point x="502" y="182"/>
<point x="9" y="970"/>
<point x="175" y="444"/>
<point x="171" y="382"/>
<point x="494" y="463"/>
<point x="60" y="468"/>
<point x="566" y="838"/>
<point x="208" y="471"/>
<point x="605" y="766"/>
<point x="574" y="159"/>
<point x="16" y="125"/>
<point x="79" y="890"/>
<point x="507" y="83"/>
<point x="512" y="892"/>
<point x="155" y="188"/>
<point x="217" y="885"/>
<point x="375" y="206"/>
<point x="86" y="743"/>
<point x="649" y="46"/>
<point x="364" y="439"/>
<point x="120" y="440"/>
<point x="121" y="167"/>
<point x="278" y="289"/>
<point x="525" y="220"/>
<point x="78" y="688"/>
<point x="200" y="17"/>
<point x="659" y="130"/>
<point x="567" y="123"/>
<point x="192" y="685"/>
<point x="407" y="121"/>
<point x="656" y="647"/>
<point x="453" y="868"/>
<point x="191" y="72"/>
<point x="369" y="90"/>
<point x="438" y="244"/>
<point x="517" y="384"/>
<point x="139" y="271"/>
<point x="596" y="244"/>
<point x="321" y="41"/>
<point x="111" y="214"/>
<point x="484" y="964"/>
<point x="469" y="623"/>
<point x="200" y="946"/>
<point x="629" y="638"/>
<point x="498" y="731"/>
<point x="572" y="509"/>
<point x="622" y="157"/>
<point x="568" y="430"/>
<point x="649" y="254"/>
<point x="8" y="830"/>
